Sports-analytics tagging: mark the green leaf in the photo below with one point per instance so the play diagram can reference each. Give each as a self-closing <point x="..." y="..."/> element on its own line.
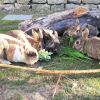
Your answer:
<point x="44" y="55"/>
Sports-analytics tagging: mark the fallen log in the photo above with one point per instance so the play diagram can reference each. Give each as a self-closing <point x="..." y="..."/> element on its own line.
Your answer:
<point x="55" y="72"/>
<point x="61" y="20"/>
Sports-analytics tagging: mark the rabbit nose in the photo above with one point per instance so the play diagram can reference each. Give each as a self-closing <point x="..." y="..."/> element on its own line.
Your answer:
<point x="73" y="46"/>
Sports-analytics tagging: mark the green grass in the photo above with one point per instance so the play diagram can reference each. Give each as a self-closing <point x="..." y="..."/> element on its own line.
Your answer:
<point x="17" y="96"/>
<point x="87" y="86"/>
<point x="8" y="25"/>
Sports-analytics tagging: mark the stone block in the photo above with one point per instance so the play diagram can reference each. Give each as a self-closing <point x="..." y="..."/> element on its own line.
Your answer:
<point x="40" y="9"/>
<point x="39" y="1"/>
<point x="23" y="1"/>
<point x="57" y="1"/>
<point x="7" y="7"/>
<point x="74" y="1"/>
<point x="1" y="1"/>
<point x="71" y="6"/>
<point x="55" y="8"/>
<point x="41" y="6"/>
<point x="91" y="6"/>
<point x="18" y="6"/>
<point x="9" y="1"/>
<point x="91" y="1"/>
<point x="1" y="6"/>
<point x="22" y="9"/>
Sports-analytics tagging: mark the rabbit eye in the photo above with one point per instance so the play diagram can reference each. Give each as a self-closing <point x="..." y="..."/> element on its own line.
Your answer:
<point x="77" y="31"/>
<point x="77" y="42"/>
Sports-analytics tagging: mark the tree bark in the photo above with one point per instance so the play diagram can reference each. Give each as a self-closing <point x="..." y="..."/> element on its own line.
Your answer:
<point x="61" y="20"/>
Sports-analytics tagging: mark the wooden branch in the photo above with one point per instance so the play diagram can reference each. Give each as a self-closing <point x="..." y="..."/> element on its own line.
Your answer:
<point x="44" y="71"/>
<point x="18" y="67"/>
<point x="68" y="72"/>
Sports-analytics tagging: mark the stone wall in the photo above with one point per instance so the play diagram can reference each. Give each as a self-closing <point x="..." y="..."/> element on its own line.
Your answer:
<point x="47" y="5"/>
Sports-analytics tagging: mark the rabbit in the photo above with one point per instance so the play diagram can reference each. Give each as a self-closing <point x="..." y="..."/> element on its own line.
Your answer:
<point x="14" y="50"/>
<point x="23" y="37"/>
<point x="76" y="29"/>
<point x="73" y="30"/>
<point x="88" y="45"/>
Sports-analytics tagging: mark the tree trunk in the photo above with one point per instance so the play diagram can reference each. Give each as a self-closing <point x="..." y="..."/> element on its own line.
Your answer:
<point x="62" y="20"/>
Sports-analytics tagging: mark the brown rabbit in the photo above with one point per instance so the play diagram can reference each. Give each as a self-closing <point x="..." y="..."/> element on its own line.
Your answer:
<point x="76" y="29"/>
<point x="73" y="30"/>
<point x="90" y="46"/>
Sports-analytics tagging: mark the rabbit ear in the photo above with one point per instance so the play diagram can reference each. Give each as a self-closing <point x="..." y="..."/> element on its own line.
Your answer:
<point x="77" y="24"/>
<point x="35" y="34"/>
<point x="85" y="33"/>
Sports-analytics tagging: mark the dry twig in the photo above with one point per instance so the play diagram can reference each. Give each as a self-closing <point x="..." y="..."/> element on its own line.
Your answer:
<point x="56" y="86"/>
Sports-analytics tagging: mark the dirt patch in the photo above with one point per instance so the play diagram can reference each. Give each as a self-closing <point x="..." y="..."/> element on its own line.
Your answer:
<point x="25" y="92"/>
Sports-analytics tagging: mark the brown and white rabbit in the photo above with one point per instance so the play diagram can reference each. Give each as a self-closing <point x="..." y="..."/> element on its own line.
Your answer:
<point x="14" y="50"/>
<point x="90" y="46"/>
